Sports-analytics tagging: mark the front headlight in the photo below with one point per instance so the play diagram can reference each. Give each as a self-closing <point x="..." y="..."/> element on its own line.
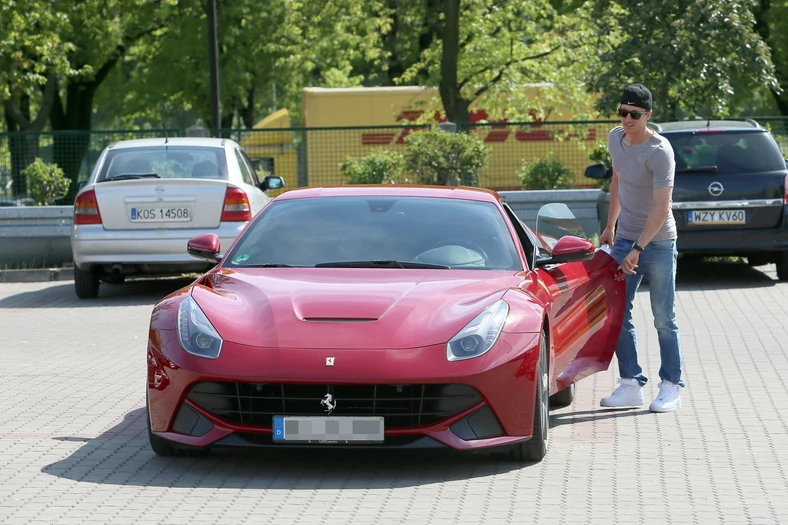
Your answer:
<point x="195" y="331"/>
<point x="479" y="335"/>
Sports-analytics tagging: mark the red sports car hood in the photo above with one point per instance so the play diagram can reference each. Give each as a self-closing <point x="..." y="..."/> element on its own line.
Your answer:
<point x="347" y="308"/>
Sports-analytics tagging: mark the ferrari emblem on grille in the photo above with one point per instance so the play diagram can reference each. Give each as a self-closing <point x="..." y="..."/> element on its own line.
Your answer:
<point x="328" y="402"/>
<point x="329" y="361"/>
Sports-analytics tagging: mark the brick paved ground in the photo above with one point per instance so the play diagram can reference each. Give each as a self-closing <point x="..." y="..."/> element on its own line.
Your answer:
<point x="73" y="445"/>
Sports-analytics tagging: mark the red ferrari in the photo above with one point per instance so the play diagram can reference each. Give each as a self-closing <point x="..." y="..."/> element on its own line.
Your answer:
<point x="383" y="317"/>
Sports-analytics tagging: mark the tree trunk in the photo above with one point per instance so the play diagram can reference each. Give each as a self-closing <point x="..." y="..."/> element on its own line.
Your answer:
<point x="454" y="105"/>
<point x="71" y="145"/>
<point x="247" y="111"/>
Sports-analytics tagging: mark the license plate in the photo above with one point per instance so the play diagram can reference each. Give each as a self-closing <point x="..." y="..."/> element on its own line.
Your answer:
<point x="170" y="214"/>
<point x="717" y="217"/>
<point x="328" y="429"/>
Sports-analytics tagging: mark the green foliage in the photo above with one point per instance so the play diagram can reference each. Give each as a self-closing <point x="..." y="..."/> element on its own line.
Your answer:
<point x="46" y="182"/>
<point x="506" y="45"/>
<point x="692" y="55"/>
<point x="443" y="158"/>
<point x="600" y="153"/>
<point x="379" y="167"/>
<point x="545" y="174"/>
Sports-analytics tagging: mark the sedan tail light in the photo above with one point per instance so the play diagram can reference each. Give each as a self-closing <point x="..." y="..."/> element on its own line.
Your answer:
<point x="236" y="206"/>
<point x="86" y="210"/>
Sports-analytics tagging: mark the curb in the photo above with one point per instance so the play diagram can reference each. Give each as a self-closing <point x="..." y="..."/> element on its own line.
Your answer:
<point x="36" y="275"/>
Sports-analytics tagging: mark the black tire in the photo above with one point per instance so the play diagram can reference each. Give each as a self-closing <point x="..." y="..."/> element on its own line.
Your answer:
<point x="563" y="398"/>
<point x="535" y="448"/>
<point x="86" y="284"/>
<point x="782" y="266"/>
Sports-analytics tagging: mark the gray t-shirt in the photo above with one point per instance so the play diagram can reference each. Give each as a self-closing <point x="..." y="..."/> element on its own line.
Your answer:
<point x="641" y="170"/>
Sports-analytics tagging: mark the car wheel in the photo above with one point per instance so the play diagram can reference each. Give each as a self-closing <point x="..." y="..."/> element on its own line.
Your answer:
<point x="782" y="266"/>
<point x="535" y="448"/>
<point x="563" y="398"/>
<point x="164" y="447"/>
<point x="86" y="283"/>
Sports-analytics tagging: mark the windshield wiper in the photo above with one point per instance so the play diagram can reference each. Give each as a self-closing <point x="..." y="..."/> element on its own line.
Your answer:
<point x="698" y="169"/>
<point x="381" y="264"/>
<point x="266" y="265"/>
<point x="130" y="176"/>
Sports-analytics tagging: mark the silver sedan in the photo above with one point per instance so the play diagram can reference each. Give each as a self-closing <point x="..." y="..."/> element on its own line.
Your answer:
<point x="146" y="198"/>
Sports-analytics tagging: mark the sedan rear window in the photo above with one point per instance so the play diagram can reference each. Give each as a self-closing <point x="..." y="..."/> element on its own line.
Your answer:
<point x="726" y="152"/>
<point x="167" y="162"/>
<point x="378" y="232"/>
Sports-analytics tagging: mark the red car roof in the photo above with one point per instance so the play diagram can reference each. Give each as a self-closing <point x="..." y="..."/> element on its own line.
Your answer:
<point x="445" y="192"/>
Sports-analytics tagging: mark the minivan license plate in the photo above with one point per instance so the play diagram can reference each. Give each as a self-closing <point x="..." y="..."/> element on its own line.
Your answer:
<point x="717" y="217"/>
<point x="172" y="214"/>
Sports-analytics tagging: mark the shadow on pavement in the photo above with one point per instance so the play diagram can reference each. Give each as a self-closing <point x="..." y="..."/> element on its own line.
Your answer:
<point x="571" y="418"/>
<point x="131" y="293"/>
<point x="122" y="456"/>
<point x="694" y="274"/>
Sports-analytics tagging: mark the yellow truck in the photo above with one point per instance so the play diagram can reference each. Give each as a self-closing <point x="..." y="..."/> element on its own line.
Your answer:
<point x="341" y="122"/>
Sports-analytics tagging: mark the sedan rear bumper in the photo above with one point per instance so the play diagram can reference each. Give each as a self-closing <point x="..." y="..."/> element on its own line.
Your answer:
<point x="732" y="243"/>
<point x="93" y="245"/>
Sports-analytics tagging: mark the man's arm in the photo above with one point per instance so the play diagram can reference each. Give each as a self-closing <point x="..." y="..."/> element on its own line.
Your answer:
<point x="609" y="233"/>
<point x="660" y="211"/>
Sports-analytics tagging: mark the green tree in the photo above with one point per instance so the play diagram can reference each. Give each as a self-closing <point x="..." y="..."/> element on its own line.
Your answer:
<point x="771" y="23"/>
<point x="545" y="174"/>
<point x="689" y="53"/>
<point x="32" y="52"/>
<point x="488" y="50"/>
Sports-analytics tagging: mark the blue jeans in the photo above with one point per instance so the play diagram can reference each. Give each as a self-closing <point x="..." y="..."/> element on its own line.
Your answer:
<point x="657" y="263"/>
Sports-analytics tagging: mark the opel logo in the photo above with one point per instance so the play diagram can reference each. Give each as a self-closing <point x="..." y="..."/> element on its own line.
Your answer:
<point x="160" y="189"/>
<point x="716" y="189"/>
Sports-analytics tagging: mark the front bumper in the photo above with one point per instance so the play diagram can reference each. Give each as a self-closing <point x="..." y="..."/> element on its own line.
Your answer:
<point x="500" y="414"/>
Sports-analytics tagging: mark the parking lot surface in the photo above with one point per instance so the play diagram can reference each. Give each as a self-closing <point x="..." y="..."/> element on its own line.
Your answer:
<point x="74" y="446"/>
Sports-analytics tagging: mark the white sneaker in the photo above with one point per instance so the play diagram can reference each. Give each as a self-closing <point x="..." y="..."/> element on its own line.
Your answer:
<point x="668" y="399"/>
<point x="628" y="394"/>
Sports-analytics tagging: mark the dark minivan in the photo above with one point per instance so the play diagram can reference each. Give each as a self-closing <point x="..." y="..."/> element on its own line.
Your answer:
<point x="730" y="195"/>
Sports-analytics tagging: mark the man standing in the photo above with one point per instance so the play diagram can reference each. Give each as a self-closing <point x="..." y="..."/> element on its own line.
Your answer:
<point x="644" y="246"/>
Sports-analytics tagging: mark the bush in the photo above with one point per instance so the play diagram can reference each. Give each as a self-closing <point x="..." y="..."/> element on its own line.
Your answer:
<point x="544" y="174"/>
<point x="46" y="182"/>
<point x="442" y="158"/>
<point x="375" y="168"/>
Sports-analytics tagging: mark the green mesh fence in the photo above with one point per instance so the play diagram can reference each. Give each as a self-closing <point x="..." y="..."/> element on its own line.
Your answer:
<point x="76" y="152"/>
<point x="312" y="156"/>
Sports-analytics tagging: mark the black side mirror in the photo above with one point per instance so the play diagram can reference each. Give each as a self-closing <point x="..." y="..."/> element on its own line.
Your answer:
<point x="272" y="183"/>
<point x="598" y="171"/>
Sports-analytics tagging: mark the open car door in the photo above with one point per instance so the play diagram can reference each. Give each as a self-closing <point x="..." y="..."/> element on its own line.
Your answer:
<point x="588" y="297"/>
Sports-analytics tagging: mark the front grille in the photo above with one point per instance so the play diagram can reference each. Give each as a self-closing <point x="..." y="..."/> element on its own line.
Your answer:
<point x="402" y="406"/>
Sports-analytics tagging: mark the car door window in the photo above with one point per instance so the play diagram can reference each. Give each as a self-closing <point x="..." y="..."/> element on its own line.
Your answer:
<point x="246" y="171"/>
<point x="525" y="241"/>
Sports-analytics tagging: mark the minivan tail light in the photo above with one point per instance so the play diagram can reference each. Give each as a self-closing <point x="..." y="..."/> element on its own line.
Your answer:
<point x="86" y="210"/>
<point x="236" y="206"/>
<point x="785" y="191"/>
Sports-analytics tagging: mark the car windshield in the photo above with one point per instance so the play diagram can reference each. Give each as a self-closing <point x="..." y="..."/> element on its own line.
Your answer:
<point x="167" y="162"/>
<point x="729" y="152"/>
<point x="378" y="232"/>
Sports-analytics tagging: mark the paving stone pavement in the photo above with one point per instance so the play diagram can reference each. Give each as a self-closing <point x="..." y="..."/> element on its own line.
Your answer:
<point x="73" y="442"/>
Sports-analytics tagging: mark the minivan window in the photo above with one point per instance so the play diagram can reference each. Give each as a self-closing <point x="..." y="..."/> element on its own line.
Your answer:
<point x="729" y="152"/>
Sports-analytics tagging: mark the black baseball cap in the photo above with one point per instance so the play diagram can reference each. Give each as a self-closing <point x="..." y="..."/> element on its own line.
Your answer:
<point x="637" y="95"/>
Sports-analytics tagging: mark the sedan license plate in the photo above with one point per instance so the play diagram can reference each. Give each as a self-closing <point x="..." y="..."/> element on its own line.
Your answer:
<point x="328" y="429"/>
<point x="717" y="217"/>
<point x="167" y="214"/>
